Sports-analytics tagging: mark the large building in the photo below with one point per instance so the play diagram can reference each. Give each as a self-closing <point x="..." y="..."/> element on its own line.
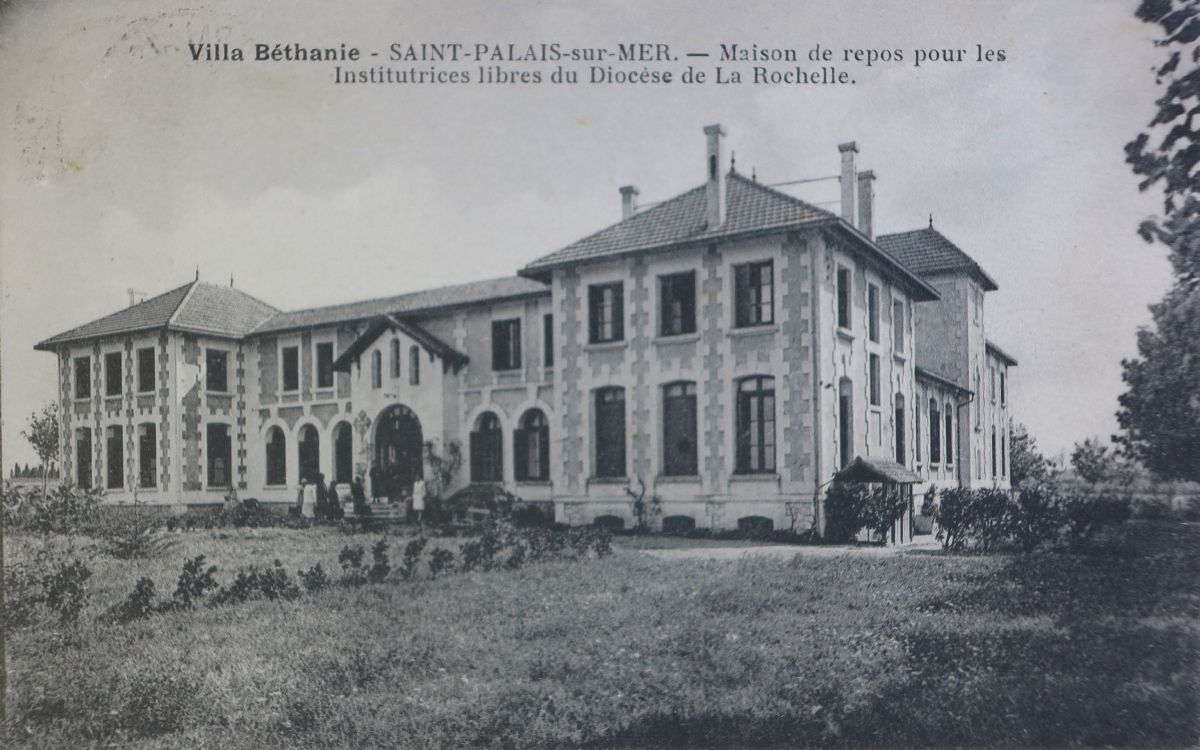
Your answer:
<point x="732" y="348"/>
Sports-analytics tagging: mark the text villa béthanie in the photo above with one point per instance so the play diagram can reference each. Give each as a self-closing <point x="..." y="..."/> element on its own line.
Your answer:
<point x="437" y="61"/>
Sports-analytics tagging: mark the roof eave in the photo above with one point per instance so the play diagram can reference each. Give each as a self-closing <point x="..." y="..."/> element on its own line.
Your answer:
<point x="1002" y="355"/>
<point x="926" y="292"/>
<point x="921" y="372"/>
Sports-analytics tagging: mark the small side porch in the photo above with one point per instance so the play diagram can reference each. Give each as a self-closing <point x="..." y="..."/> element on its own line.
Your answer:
<point x="896" y="482"/>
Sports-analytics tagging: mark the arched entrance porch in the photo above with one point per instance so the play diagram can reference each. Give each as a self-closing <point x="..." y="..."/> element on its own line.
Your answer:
<point x="398" y="453"/>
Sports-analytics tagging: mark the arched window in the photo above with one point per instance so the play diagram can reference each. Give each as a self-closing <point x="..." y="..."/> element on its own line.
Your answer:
<point x="755" y="525"/>
<point x="949" y="434"/>
<point x="756" y="425"/>
<point x="414" y="365"/>
<point x="395" y="350"/>
<point x="900" y="427"/>
<point x="679" y="430"/>
<point x="487" y="449"/>
<point x="610" y="432"/>
<point x="376" y="369"/>
<point x="845" y="421"/>
<point x="531" y="448"/>
<point x="1004" y="454"/>
<point x="935" y="433"/>
<point x="678" y="525"/>
<point x="343" y="453"/>
<point x="276" y="457"/>
<point x="310" y="453"/>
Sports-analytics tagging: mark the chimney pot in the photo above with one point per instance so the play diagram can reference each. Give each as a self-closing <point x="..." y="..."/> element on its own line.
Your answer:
<point x="629" y="195"/>
<point x="848" y="150"/>
<point x="866" y="201"/>
<point x="714" y="187"/>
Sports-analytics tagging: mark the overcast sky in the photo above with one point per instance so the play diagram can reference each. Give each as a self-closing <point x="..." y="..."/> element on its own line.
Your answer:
<point x="123" y="163"/>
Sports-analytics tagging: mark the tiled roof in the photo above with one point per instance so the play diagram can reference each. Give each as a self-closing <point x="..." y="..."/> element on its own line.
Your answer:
<point x="927" y="252"/>
<point x="509" y="287"/>
<point x="749" y="207"/>
<point x="195" y="306"/>
<point x="221" y="310"/>
<point x="876" y="469"/>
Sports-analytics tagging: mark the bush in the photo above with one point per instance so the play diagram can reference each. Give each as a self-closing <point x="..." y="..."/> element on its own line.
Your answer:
<point x="990" y="519"/>
<point x="64" y="510"/>
<point x="850" y="508"/>
<point x="412" y="556"/>
<point x="252" y="583"/>
<point x="53" y="581"/>
<point x="194" y="582"/>
<point x="313" y="579"/>
<point x="139" y="604"/>
<point x="440" y="560"/>
<point x="128" y="536"/>
<point x="380" y="565"/>
<point x="350" y="558"/>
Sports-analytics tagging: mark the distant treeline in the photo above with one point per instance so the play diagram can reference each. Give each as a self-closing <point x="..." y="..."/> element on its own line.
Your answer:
<point x="31" y="472"/>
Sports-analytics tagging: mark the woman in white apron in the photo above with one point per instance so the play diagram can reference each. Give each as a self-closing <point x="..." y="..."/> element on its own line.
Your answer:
<point x="309" y="507"/>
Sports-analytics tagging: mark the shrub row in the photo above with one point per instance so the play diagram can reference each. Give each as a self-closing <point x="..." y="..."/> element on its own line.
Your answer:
<point x="991" y="519"/>
<point x="497" y="546"/>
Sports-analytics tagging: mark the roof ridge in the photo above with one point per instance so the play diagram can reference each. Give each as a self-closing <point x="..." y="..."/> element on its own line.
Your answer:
<point x="779" y="194"/>
<point x="182" y="301"/>
<point x="636" y="216"/>
<point x="382" y="298"/>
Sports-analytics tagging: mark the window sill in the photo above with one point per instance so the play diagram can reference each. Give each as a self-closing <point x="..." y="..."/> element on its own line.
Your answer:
<point x="608" y="480"/>
<point x="677" y="338"/>
<point x="678" y="479"/>
<point x="765" y="476"/>
<point x="220" y="394"/>
<point x="326" y="392"/>
<point x="876" y="408"/>
<point x="900" y="357"/>
<point x="506" y="370"/>
<point x="146" y="393"/>
<point x="82" y="399"/>
<point x="535" y="483"/>
<point x="604" y="346"/>
<point x="755" y="330"/>
<point x="844" y="334"/>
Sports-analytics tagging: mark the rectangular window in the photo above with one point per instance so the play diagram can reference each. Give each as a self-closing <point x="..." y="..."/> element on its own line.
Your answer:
<point x="900" y="427"/>
<point x="992" y="373"/>
<point x="610" y="432"/>
<point x="917" y="430"/>
<point x="1003" y="390"/>
<point x="112" y="374"/>
<point x="376" y="369"/>
<point x="754" y="294"/>
<point x="949" y="436"/>
<point x="414" y="365"/>
<point x="898" y="326"/>
<point x="216" y="370"/>
<point x="548" y="340"/>
<point x="114" y="457"/>
<point x="756" y="425"/>
<point x="874" y="381"/>
<point x="290" y="368"/>
<point x="935" y="441"/>
<point x="606" y="312"/>
<point x="846" y="421"/>
<point x="677" y="303"/>
<point x="145" y="370"/>
<point x="147" y="455"/>
<point x="83" y="377"/>
<point x="219" y="452"/>
<point x="679" y="430"/>
<point x="506" y="344"/>
<point x="325" y="364"/>
<point x="843" y="297"/>
<point x="83" y="458"/>
<point x="873" y="312"/>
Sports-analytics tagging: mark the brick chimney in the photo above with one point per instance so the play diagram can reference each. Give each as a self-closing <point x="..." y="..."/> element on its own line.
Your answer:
<point x="629" y="195"/>
<point x="866" y="201"/>
<point x="848" y="151"/>
<point x="714" y="188"/>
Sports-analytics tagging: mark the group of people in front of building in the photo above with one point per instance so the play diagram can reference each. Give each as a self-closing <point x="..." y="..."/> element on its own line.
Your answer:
<point x="315" y="500"/>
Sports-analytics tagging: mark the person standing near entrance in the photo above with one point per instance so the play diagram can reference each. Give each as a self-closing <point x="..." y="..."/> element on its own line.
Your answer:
<point x="308" y="507"/>
<point x="418" y="499"/>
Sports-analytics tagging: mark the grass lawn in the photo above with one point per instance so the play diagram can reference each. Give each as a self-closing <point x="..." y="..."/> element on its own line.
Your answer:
<point x="907" y="650"/>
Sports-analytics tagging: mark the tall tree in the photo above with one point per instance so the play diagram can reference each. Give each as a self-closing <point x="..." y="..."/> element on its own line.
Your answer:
<point x="1160" y="413"/>
<point x="42" y="434"/>
<point x="1026" y="463"/>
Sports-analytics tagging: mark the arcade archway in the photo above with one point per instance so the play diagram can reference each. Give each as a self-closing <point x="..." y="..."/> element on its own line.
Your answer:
<point x="398" y="453"/>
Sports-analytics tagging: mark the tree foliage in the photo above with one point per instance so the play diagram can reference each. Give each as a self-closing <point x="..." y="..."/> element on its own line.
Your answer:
<point x="1160" y="413"/>
<point x="42" y="434"/>
<point x="1091" y="461"/>
<point x="1026" y="463"/>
